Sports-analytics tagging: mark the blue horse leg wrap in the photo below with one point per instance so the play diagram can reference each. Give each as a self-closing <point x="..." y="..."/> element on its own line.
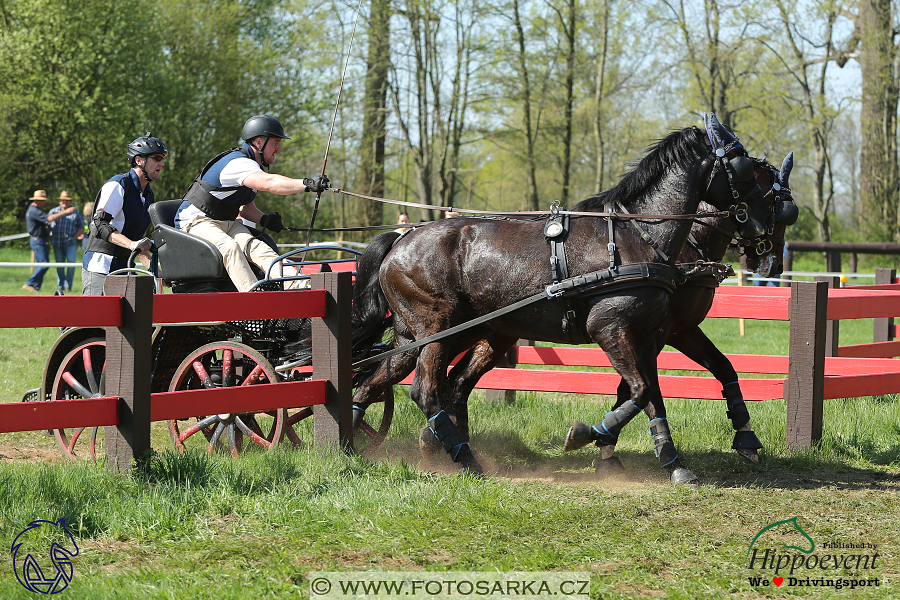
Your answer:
<point x="444" y="430"/>
<point x="607" y="431"/>
<point x="737" y="410"/>
<point x="662" y="440"/>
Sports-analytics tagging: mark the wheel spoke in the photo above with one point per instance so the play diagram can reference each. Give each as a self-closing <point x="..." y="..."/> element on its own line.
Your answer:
<point x="215" y="437"/>
<point x="368" y="430"/>
<point x="88" y="369"/>
<point x="227" y="367"/>
<point x="232" y="439"/>
<point x="76" y="385"/>
<point x="250" y="433"/>
<point x="197" y="427"/>
<point x="200" y="370"/>
<point x="299" y="416"/>
<point x="254" y="375"/>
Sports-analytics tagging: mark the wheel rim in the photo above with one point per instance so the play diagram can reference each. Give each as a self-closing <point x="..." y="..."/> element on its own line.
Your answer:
<point x="373" y="428"/>
<point x="227" y="364"/>
<point x="82" y="374"/>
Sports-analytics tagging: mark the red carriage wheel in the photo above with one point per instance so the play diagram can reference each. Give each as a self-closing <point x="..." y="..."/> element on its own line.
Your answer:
<point x="227" y="364"/>
<point x="373" y="428"/>
<point x="82" y="374"/>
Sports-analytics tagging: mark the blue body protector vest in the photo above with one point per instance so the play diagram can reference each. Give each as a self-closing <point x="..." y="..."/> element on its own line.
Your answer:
<point x="137" y="219"/>
<point x="209" y="180"/>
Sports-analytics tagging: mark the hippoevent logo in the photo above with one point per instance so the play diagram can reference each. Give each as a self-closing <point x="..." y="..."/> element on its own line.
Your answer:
<point x="42" y="556"/>
<point x="782" y="553"/>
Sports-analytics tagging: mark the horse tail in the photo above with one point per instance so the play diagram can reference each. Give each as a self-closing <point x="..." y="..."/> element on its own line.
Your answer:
<point x="370" y="306"/>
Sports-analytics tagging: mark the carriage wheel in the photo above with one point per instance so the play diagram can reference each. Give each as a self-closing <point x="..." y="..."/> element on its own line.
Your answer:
<point x="373" y="428"/>
<point x="82" y="374"/>
<point x="227" y="364"/>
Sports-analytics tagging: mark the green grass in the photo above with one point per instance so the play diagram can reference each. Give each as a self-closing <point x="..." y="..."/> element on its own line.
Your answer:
<point x="201" y="526"/>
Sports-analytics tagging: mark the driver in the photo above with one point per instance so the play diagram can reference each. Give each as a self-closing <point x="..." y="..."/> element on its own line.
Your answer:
<point x="119" y="222"/>
<point x="225" y="190"/>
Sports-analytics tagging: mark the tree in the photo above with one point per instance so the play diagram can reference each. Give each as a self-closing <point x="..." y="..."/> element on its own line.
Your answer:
<point x="372" y="145"/>
<point x="878" y="121"/>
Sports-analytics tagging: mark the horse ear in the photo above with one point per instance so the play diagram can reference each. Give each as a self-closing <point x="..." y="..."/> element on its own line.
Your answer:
<point x="724" y="136"/>
<point x="786" y="167"/>
<point x="715" y="129"/>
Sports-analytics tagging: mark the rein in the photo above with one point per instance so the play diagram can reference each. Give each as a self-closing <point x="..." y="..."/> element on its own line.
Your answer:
<point x="632" y="275"/>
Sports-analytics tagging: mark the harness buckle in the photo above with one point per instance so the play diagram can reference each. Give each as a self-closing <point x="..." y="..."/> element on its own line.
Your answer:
<point x="551" y="293"/>
<point x="741" y="213"/>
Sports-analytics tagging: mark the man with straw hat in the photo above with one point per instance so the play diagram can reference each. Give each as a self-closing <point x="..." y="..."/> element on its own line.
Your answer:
<point x="65" y="235"/>
<point x="38" y="225"/>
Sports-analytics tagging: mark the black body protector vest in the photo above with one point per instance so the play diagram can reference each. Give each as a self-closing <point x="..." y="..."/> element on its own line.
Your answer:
<point x="137" y="220"/>
<point x="220" y="209"/>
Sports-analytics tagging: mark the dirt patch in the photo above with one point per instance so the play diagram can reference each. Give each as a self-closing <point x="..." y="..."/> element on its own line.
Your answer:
<point x="17" y="453"/>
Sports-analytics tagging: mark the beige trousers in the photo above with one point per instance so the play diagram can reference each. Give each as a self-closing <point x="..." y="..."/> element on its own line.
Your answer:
<point x="239" y="248"/>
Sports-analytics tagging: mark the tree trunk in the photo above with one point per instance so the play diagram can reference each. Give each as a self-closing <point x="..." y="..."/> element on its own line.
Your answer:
<point x="878" y="122"/>
<point x="598" y="100"/>
<point x="375" y="111"/>
<point x="534" y="202"/>
<point x="569" y="31"/>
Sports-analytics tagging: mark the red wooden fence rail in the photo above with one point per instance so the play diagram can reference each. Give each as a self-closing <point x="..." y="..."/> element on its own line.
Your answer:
<point x="128" y="313"/>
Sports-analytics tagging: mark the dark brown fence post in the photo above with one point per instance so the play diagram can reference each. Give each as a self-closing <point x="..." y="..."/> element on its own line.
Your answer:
<point x="884" y="328"/>
<point x="788" y="266"/>
<point x="833" y="262"/>
<point x="804" y="389"/>
<point x="832" y="328"/>
<point x="509" y="361"/>
<point x="128" y="371"/>
<point x="332" y="422"/>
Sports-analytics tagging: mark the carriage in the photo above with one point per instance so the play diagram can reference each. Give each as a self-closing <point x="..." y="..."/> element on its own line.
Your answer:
<point x="205" y="355"/>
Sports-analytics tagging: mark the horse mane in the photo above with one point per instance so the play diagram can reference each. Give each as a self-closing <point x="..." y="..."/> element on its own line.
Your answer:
<point x="679" y="147"/>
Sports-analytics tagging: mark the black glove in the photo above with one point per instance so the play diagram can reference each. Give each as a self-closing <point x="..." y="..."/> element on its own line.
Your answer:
<point x="272" y="222"/>
<point x="317" y="184"/>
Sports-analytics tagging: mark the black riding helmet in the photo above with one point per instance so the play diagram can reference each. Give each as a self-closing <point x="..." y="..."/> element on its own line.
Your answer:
<point x="265" y="126"/>
<point x="262" y="125"/>
<point x="146" y="145"/>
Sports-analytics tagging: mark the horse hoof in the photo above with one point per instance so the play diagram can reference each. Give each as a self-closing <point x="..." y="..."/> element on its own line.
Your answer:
<point x="609" y="467"/>
<point x="429" y="445"/>
<point x="682" y="476"/>
<point x="358" y="418"/>
<point x="750" y="454"/>
<point x="579" y="436"/>
<point x="467" y="463"/>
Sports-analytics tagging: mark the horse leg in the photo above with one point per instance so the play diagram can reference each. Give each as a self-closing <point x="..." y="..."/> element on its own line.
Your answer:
<point x="694" y="344"/>
<point x="481" y="358"/>
<point x="425" y="392"/>
<point x="389" y="372"/>
<point x="632" y="348"/>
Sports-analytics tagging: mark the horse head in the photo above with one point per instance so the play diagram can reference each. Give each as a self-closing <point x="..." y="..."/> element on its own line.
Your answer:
<point x="767" y="256"/>
<point x="731" y="184"/>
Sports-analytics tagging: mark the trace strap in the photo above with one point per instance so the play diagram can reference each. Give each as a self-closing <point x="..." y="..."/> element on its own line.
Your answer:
<point x="658" y="274"/>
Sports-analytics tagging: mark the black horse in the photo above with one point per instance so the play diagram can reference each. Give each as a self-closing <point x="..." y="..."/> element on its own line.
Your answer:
<point x="693" y="299"/>
<point x="690" y="303"/>
<point x="455" y="270"/>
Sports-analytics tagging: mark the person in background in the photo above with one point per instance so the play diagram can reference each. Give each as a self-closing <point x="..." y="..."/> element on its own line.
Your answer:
<point x="86" y="212"/>
<point x="226" y="189"/>
<point x="38" y="225"/>
<point x="402" y="219"/>
<point x="65" y="233"/>
<point x="120" y="221"/>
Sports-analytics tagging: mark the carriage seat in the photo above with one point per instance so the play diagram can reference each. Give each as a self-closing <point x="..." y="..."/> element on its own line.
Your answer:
<point x="186" y="262"/>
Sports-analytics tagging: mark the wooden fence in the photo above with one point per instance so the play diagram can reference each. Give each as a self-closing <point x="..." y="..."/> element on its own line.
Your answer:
<point x="128" y="314"/>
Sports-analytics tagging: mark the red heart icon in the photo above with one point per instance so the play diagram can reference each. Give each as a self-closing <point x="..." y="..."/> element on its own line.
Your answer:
<point x="778" y="580"/>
